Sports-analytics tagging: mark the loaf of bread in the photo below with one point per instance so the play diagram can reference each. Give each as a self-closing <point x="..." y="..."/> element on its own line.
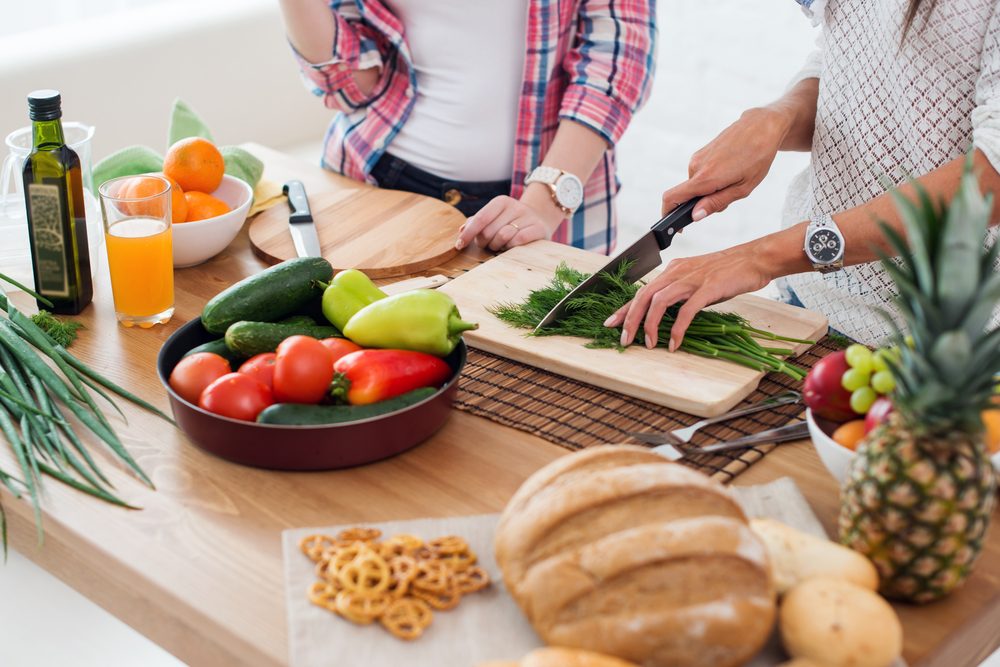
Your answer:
<point x="554" y="656"/>
<point x="796" y="556"/>
<point x="839" y="624"/>
<point x="617" y="550"/>
<point x="794" y="662"/>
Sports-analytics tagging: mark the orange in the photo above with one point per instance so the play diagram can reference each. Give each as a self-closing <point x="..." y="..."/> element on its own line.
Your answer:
<point x="991" y="420"/>
<point x="850" y="433"/>
<point x="195" y="163"/>
<point x="140" y="186"/>
<point x="201" y="206"/>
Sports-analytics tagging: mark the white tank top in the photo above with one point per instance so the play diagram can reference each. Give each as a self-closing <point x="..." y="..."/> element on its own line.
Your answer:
<point x="469" y="60"/>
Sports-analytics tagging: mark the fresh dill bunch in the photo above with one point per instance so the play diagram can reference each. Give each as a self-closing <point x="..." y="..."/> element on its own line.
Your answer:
<point x="62" y="332"/>
<point x="711" y="333"/>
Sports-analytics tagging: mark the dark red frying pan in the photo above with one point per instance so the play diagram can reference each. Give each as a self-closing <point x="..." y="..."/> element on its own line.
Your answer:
<point x="303" y="447"/>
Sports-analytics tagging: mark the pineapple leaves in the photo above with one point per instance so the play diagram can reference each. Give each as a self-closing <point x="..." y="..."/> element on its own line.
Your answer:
<point x="919" y="253"/>
<point x="950" y="354"/>
<point x="960" y="250"/>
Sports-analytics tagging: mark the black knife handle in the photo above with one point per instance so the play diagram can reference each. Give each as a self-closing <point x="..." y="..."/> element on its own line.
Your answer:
<point x="297" y="200"/>
<point x="673" y="222"/>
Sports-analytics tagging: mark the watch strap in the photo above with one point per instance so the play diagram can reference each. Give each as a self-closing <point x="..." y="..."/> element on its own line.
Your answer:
<point x="544" y="174"/>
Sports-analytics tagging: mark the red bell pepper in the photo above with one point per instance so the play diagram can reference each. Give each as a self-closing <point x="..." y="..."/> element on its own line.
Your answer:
<point x="369" y="376"/>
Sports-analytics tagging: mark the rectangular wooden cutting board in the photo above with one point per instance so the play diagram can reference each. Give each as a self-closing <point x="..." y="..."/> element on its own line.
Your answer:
<point x="692" y="384"/>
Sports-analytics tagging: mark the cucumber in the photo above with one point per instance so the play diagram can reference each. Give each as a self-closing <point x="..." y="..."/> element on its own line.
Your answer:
<point x="218" y="347"/>
<point x="250" y="338"/>
<point x="298" y="319"/>
<point x="269" y="295"/>
<point x="304" y="415"/>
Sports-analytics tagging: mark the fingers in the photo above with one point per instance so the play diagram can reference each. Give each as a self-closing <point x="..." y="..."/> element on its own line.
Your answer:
<point x="685" y="314"/>
<point x="658" y="306"/>
<point x="719" y="201"/>
<point x="477" y="223"/>
<point x="679" y="194"/>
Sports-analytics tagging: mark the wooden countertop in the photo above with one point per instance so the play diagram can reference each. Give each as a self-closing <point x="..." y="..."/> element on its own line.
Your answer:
<point x="199" y="569"/>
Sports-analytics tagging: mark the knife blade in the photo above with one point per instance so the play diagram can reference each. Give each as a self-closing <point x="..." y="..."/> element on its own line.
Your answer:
<point x="300" y="221"/>
<point x="644" y="256"/>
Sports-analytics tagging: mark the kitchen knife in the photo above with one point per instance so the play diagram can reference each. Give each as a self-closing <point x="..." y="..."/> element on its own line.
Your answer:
<point x="300" y="221"/>
<point x="644" y="255"/>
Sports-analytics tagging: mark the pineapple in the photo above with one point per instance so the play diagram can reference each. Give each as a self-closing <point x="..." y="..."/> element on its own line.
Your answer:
<point x="918" y="496"/>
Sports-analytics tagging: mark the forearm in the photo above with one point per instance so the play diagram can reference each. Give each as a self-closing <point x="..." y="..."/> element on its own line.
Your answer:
<point x="575" y="149"/>
<point x="863" y="238"/>
<point x="796" y="111"/>
<point x="310" y="28"/>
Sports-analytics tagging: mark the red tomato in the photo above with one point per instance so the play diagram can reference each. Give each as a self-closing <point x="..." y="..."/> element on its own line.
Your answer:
<point x="340" y="347"/>
<point x="192" y="374"/>
<point x="261" y="368"/>
<point x="236" y="395"/>
<point x="303" y="370"/>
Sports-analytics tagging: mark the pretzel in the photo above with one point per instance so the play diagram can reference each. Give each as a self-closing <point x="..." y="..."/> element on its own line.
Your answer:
<point x="360" y="609"/>
<point x="399" y="545"/>
<point x="407" y="618"/>
<point x="447" y="545"/>
<point x="323" y="594"/>
<point x="367" y="574"/>
<point x="314" y="546"/>
<point x="460" y="561"/>
<point x="472" y="580"/>
<point x="335" y="559"/>
<point x="442" y="600"/>
<point x="359" y="534"/>
<point x="433" y="576"/>
<point x="422" y="553"/>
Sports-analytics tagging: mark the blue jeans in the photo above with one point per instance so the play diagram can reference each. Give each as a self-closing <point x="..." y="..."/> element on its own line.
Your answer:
<point x="467" y="196"/>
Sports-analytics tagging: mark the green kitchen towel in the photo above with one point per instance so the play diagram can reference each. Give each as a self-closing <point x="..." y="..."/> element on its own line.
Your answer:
<point x="184" y="122"/>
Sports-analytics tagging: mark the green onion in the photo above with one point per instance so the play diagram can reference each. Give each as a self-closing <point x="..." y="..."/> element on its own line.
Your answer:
<point x="711" y="334"/>
<point x="33" y="395"/>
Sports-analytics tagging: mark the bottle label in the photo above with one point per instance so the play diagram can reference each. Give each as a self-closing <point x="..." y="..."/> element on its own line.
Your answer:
<point x="46" y="215"/>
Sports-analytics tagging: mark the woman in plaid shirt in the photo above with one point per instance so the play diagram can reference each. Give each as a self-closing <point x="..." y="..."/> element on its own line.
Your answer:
<point x="556" y="80"/>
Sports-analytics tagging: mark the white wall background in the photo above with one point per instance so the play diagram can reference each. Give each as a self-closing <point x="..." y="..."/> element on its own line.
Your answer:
<point x="120" y="70"/>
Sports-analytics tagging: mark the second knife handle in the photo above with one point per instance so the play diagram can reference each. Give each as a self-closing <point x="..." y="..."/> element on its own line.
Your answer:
<point x="297" y="200"/>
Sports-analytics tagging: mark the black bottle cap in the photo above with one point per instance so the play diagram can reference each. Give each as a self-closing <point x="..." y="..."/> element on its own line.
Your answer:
<point x="44" y="105"/>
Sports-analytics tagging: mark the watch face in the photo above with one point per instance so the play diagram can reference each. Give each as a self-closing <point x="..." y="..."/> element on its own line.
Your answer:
<point x="569" y="191"/>
<point x="825" y="246"/>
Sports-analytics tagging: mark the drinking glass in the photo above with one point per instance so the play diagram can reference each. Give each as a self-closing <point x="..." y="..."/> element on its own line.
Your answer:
<point x="136" y="212"/>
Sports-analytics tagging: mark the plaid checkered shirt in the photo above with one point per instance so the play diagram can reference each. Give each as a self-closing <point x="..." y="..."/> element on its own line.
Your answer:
<point x="589" y="61"/>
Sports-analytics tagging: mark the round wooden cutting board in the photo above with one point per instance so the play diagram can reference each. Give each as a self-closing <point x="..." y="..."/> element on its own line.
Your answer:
<point x="384" y="233"/>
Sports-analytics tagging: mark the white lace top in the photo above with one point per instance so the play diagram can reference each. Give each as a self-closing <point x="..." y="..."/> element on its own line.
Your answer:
<point x="887" y="110"/>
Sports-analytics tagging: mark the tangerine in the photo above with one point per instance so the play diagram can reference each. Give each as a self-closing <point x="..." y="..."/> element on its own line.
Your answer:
<point x="850" y="434"/>
<point x="195" y="163"/>
<point x="141" y="187"/>
<point x="201" y="206"/>
<point x="991" y="422"/>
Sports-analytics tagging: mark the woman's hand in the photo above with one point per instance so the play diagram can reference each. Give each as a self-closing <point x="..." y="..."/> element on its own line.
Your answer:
<point x="506" y="222"/>
<point x="699" y="282"/>
<point x="732" y="164"/>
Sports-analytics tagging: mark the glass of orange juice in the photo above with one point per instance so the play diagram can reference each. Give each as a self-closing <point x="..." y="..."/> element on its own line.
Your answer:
<point x="136" y="212"/>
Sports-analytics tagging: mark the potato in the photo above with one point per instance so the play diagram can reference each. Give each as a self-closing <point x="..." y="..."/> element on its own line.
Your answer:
<point x="797" y="556"/>
<point x="839" y="624"/>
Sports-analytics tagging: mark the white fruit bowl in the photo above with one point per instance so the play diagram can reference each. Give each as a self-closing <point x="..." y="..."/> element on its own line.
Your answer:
<point x="835" y="456"/>
<point x="198" y="241"/>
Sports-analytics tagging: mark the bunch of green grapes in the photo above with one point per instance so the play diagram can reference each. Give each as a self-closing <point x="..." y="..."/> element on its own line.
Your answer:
<point x="868" y="376"/>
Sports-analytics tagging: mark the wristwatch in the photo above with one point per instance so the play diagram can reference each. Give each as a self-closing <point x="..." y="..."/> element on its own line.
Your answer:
<point x="824" y="244"/>
<point x="566" y="189"/>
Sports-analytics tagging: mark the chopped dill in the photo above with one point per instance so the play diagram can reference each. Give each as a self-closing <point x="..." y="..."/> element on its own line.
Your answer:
<point x="711" y="334"/>
<point x="62" y="332"/>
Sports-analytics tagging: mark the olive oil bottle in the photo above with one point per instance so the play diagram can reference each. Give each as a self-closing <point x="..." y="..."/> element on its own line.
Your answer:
<point x="53" y="197"/>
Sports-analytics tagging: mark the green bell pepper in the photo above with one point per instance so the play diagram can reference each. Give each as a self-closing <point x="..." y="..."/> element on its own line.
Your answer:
<point x="348" y="292"/>
<point x="422" y="320"/>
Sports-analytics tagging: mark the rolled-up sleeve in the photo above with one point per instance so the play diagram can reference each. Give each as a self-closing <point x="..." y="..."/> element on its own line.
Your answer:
<point x="611" y="66"/>
<point x="986" y="114"/>
<point x="355" y="47"/>
<point x="813" y="65"/>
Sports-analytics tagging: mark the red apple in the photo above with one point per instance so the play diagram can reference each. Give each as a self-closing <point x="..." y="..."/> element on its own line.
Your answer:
<point x="824" y="394"/>
<point x="877" y="413"/>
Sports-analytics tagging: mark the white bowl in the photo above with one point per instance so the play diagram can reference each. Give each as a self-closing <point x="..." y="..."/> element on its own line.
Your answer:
<point x="835" y="456"/>
<point x="198" y="241"/>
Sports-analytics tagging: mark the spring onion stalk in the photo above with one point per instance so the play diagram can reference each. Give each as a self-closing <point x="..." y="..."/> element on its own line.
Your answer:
<point x="711" y="334"/>
<point x="39" y="380"/>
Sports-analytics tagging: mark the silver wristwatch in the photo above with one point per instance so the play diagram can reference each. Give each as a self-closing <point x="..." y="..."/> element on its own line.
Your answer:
<point x="824" y="244"/>
<point x="566" y="189"/>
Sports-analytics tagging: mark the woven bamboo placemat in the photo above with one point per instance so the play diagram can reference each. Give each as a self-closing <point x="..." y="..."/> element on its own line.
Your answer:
<point x="576" y="415"/>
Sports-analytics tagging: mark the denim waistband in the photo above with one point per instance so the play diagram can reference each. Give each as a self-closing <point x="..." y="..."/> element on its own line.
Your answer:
<point x="468" y="196"/>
